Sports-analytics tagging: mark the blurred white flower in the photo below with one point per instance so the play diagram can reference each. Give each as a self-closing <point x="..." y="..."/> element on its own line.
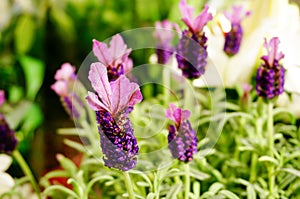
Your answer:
<point x="6" y="181"/>
<point x="26" y="6"/>
<point x="5" y="13"/>
<point x="291" y="104"/>
<point x="269" y="18"/>
<point x="26" y="191"/>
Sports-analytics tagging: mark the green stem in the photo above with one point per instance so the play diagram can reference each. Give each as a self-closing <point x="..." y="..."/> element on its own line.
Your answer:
<point x="188" y="96"/>
<point x="25" y="168"/>
<point x="253" y="171"/>
<point x="271" y="147"/>
<point x="128" y="185"/>
<point x="187" y="180"/>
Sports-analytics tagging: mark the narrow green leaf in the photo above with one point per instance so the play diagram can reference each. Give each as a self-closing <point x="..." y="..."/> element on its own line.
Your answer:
<point x="198" y="174"/>
<point x="67" y="164"/>
<point x="75" y="145"/>
<point x="292" y="171"/>
<point x="172" y="194"/>
<point x="151" y="196"/>
<point x="269" y="159"/>
<point x="251" y="192"/>
<point x="24" y="34"/>
<point x="71" y="131"/>
<point x="34" y="70"/>
<point x="214" y="188"/>
<point x="32" y="119"/>
<point x="54" y="189"/>
<point x="229" y="194"/>
<point x="196" y="188"/>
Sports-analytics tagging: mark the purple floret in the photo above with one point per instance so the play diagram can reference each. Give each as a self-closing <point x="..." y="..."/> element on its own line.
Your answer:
<point x="233" y="40"/>
<point x="8" y="141"/>
<point x="118" y="143"/>
<point x="182" y="142"/>
<point x="192" y="54"/>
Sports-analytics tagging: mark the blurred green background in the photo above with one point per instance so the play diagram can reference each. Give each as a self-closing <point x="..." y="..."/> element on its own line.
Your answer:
<point x="37" y="36"/>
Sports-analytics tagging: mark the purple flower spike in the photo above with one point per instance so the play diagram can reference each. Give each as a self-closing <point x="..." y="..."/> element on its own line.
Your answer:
<point x="182" y="138"/>
<point x="233" y="38"/>
<point x="114" y="58"/>
<point x="191" y="51"/>
<point x="164" y="32"/>
<point x="2" y="97"/>
<point x="8" y="141"/>
<point x="65" y="78"/>
<point x="270" y="75"/>
<point x="113" y="103"/>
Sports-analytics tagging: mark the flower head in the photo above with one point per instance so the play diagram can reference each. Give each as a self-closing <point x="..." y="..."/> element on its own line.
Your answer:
<point x="8" y="141"/>
<point x="182" y="138"/>
<point x="66" y="72"/>
<point x="112" y="103"/>
<point x="164" y="33"/>
<point x="195" y="25"/>
<point x="2" y="97"/>
<point x="233" y="38"/>
<point x="114" y="58"/>
<point x="65" y="79"/>
<point x="191" y="51"/>
<point x="270" y="75"/>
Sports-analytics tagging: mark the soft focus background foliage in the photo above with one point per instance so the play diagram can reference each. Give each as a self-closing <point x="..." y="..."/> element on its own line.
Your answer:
<point x="37" y="36"/>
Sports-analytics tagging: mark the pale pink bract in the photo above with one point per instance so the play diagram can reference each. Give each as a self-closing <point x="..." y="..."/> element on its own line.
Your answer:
<point x="60" y="87"/>
<point x="115" y="96"/>
<point x="66" y="72"/>
<point x="273" y="51"/>
<point x="237" y="14"/>
<point x="114" y="55"/>
<point x="2" y="97"/>
<point x="177" y="114"/>
<point x="194" y="24"/>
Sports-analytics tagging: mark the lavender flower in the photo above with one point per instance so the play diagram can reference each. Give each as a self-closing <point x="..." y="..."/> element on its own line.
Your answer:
<point x="164" y="35"/>
<point x="8" y="141"/>
<point x="233" y="38"/>
<point x="182" y="138"/>
<point x="270" y="75"/>
<point x="114" y="58"/>
<point x="191" y="50"/>
<point x="65" y="78"/>
<point x="112" y="103"/>
<point x="2" y="97"/>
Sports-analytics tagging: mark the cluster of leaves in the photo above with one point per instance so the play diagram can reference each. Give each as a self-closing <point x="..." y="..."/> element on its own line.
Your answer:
<point x="230" y="164"/>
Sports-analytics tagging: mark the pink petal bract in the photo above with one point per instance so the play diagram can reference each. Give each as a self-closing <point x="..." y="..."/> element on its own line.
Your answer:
<point x="177" y="114"/>
<point x="118" y="48"/>
<point x="124" y="94"/>
<point x="237" y="14"/>
<point x="2" y="97"/>
<point x="273" y="51"/>
<point x="66" y="72"/>
<point x="102" y="52"/>
<point x="99" y="81"/>
<point x="202" y="19"/>
<point x="194" y="24"/>
<point x="187" y="13"/>
<point x="94" y="102"/>
<point x="116" y="95"/>
<point x="60" y="87"/>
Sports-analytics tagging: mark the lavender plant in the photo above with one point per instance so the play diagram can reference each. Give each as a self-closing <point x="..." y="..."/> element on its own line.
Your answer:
<point x="255" y="156"/>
